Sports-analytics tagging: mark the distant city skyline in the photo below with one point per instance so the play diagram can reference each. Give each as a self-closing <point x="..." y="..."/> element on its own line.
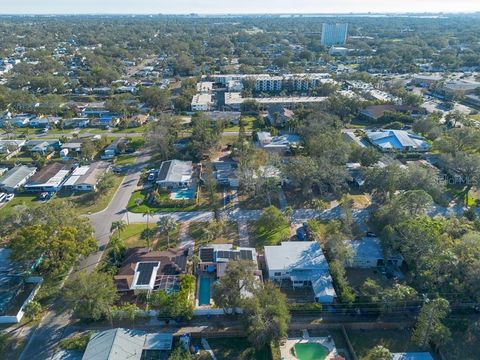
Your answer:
<point x="233" y="7"/>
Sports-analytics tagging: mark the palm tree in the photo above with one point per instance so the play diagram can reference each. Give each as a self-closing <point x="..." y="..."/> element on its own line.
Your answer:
<point x="167" y="224"/>
<point x="148" y="213"/>
<point x="118" y="225"/>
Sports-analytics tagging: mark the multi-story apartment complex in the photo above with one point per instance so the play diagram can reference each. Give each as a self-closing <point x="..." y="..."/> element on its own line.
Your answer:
<point x="334" y="34"/>
<point x="268" y="83"/>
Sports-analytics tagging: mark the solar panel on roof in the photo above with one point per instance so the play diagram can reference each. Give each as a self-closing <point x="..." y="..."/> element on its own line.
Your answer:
<point x="206" y="254"/>
<point x="246" y="254"/>
<point x="145" y="270"/>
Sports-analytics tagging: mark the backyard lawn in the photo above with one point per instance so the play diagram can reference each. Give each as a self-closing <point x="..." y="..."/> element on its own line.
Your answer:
<point x="134" y="235"/>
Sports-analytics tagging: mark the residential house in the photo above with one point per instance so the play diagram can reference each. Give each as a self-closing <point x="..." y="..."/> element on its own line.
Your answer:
<point x="76" y="123"/>
<point x="214" y="258"/>
<point x="125" y="344"/>
<point x="301" y="264"/>
<point x="86" y="178"/>
<point x="138" y="120"/>
<point x="17" y="287"/>
<point x="105" y="121"/>
<point x="226" y="173"/>
<point x="74" y="145"/>
<point x="16" y="178"/>
<point x="387" y="140"/>
<point x="351" y="137"/>
<point x="11" y="146"/>
<point x="22" y="120"/>
<point x="175" y="174"/>
<point x="355" y="174"/>
<point x="114" y="148"/>
<point x="282" y="144"/>
<point x="375" y="112"/>
<point x="279" y="115"/>
<point x="143" y="271"/>
<point x="50" y="178"/>
<point x="43" y="146"/>
<point x="44" y="122"/>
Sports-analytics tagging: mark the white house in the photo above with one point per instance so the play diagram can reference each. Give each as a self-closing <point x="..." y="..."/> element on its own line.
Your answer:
<point x="368" y="253"/>
<point x="303" y="264"/>
<point x="16" y="178"/>
<point x="175" y="174"/>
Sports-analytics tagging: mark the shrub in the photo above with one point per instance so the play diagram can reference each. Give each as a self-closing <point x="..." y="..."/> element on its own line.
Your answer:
<point x="76" y="343"/>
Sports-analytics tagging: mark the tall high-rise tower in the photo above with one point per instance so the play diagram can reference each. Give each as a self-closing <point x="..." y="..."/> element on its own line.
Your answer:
<point x="334" y="34"/>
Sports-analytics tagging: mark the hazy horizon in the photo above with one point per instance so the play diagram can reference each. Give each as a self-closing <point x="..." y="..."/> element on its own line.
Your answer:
<point x="234" y="7"/>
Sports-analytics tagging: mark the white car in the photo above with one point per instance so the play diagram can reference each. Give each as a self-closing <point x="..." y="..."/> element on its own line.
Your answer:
<point x="9" y="197"/>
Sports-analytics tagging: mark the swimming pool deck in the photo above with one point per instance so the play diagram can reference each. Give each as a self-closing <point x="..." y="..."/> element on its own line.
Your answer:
<point x="285" y="349"/>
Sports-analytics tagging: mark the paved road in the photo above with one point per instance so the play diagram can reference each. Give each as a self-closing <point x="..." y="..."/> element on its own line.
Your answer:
<point x="116" y="210"/>
<point x="54" y="326"/>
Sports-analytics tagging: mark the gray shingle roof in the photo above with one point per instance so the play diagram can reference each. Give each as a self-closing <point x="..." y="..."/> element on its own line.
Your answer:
<point x="115" y="344"/>
<point x="16" y="175"/>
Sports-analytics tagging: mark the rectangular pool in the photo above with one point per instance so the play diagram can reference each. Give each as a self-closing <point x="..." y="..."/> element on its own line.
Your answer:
<point x="204" y="291"/>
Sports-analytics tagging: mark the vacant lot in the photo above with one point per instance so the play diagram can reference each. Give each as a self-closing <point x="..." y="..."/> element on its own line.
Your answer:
<point x="196" y="232"/>
<point x="136" y="235"/>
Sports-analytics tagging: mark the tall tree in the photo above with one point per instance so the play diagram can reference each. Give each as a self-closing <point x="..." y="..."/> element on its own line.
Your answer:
<point x="167" y="224"/>
<point x="429" y="327"/>
<point x="90" y="296"/>
<point x="229" y="292"/>
<point x="379" y="352"/>
<point x="267" y="316"/>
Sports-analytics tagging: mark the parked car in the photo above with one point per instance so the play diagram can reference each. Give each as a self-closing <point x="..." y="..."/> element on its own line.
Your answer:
<point x="44" y="196"/>
<point x="2" y="196"/>
<point x="9" y="197"/>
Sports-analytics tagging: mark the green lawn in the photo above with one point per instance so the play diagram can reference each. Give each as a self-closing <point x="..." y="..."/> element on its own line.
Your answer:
<point x="20" y="200"/>
<point x="145" y="207"/>
<point x="134" y="236"/>
<point x="86" y="203"/>
<point x="259" y="240"/>
<point x="248" y="121"/>
<point x="125" y="160"/>
<point x="136" y="130"/>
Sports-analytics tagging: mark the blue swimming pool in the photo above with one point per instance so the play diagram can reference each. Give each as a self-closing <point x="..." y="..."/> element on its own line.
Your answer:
<point x="204" y="291"/>
<point x="184" y="194"/>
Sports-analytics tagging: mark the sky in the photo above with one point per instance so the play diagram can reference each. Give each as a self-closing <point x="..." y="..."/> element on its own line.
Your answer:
<point x="232" y="6"/>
